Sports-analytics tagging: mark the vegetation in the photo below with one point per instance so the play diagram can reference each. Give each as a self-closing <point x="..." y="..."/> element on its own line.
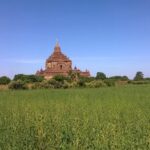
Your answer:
<point x="100" y="75"/>
<point x="17" y="85"/>
<point x="139" y="76"/>
<point x="110" y="82"/>
<point x="28" y="78"/>
<point x="106" y="118"/>
<point x="73" y="80"/>
<point x="121" y="78"/>
<point x="95" y="84"/>
<point x="4" y="80"/>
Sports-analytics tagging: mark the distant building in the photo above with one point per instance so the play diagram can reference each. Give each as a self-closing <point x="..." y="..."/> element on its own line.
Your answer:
<point x="59" y="64"/>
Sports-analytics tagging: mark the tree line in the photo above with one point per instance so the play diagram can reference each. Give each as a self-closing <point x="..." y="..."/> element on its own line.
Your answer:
<point x="21" y="81"/>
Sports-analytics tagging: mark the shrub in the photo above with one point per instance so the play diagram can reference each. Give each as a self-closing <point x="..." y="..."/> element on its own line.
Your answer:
<point x="59" y="78"/>
<point x="28" y="78"/>
<point x="55" y="84"/>
<point x="110" y="82"/>
<point x="73" y="76"/>
<point x="41" y="85"/>
<point x="73" y="84"/>
<point x="19" y="77"/>
<point x="34" y="78"/>
<point x="3" y="87"/>
<point x="121" y="78"/>
<point x="17" y="85"/>
<point x="139" y="82"/>
<point x="100" y="75"/>
<point x="95" y="84"/>
<point x="51" y="84"/>
<point x="148" y="79"/>
<point x="86" y="79"/>
<point x="121" y="82"/>
<point x="81" y="82"/>
<point x="66" y="84"/>
<point x="4" y="80"/>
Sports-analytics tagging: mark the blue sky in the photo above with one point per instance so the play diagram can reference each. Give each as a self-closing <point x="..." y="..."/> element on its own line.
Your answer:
<point x="110" y="36"/>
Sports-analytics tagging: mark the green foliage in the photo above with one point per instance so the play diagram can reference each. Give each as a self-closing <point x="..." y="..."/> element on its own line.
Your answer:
<point x="110" y="82"/>
<point x="139" y="76"/>
<point x="87" y="79"/>
<point x="19" y="77"/>
<point x="41" y="85"/>
<point x="74" y="80"/>
<point x="76" y="119"/>
<point x="4" y="80"/>
<point x="55" y="84"/>
<point x="100" y="76"/>
<point x="147" y="79"/>
<point x="50" y="84"/>
<point x="139" y="82"/>
<point x="121" y="78"/>
<point x="17" y="85"/>
<point x="81" y="83"/>
<point x="95" y="84"/>
<point x="60" y="78"/>
<point x="73" y="76"/>
<point x="35" y="78"/>
<point x="28" y="78"/>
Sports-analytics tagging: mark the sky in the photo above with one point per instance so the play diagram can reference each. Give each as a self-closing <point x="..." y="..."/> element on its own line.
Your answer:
<point x="110" y="36"/>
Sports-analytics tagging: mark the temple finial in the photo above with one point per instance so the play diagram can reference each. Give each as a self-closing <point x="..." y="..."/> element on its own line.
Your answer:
<point x="57" y="47"/>
<point x="57" y="43"/>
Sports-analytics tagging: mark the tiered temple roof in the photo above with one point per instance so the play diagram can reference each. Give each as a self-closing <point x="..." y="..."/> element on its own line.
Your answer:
<point x="57" y="55"/>
<point x="59" y="63"/>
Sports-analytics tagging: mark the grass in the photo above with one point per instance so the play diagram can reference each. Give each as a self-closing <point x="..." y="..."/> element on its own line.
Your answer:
<point x="76" y="119"/>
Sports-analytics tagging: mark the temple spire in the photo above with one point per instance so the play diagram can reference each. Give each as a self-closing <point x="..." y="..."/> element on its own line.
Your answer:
<point x="57" y="43"/>
<point x="57" y="47"/>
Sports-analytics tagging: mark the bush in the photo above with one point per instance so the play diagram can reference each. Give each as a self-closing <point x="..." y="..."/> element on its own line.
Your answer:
<point x="95" y="84"/>
<point x="81" y="83"/>
<point x="34" y="78"/>
<point x="41" y="85"/>
<point x="87" y="79"/>
<point x="121" y="78"/>
<point x="59" y="78"/>
<point x="110" y="82"/>
<point x="139" y="82"/>
<point x="4" y="80"/>
<point x="28" y="78"/>
<point x="49" y="84"/>
<point x="147" y="79"/>
<point x="66" y="85"/>
<point x="55" y="84"/>
<point x="73" y="76"/>
<point x="16" y="85"/>
<point x="100" y="75"/>
<point x="121" y="82"/>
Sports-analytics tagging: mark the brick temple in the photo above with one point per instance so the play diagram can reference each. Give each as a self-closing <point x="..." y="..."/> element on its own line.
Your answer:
<point x="59" y="64"/>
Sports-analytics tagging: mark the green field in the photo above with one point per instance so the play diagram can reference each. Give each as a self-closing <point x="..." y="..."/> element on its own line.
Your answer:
<point x="76" y="119"/>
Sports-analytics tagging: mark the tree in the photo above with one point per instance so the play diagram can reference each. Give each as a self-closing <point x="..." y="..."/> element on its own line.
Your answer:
<point x="139" y="76"/>
<point x="17" y="85"/>
<point x="122" y="78"/>
<point x="100" y="75"/>
<point x="74" y="76"/>
<point x="59" y="78"/>
<point x="34" y="78"/>
<point x="28" y="78"/>
<point x="4" y="80"/>
<point x="19" y="77"/>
